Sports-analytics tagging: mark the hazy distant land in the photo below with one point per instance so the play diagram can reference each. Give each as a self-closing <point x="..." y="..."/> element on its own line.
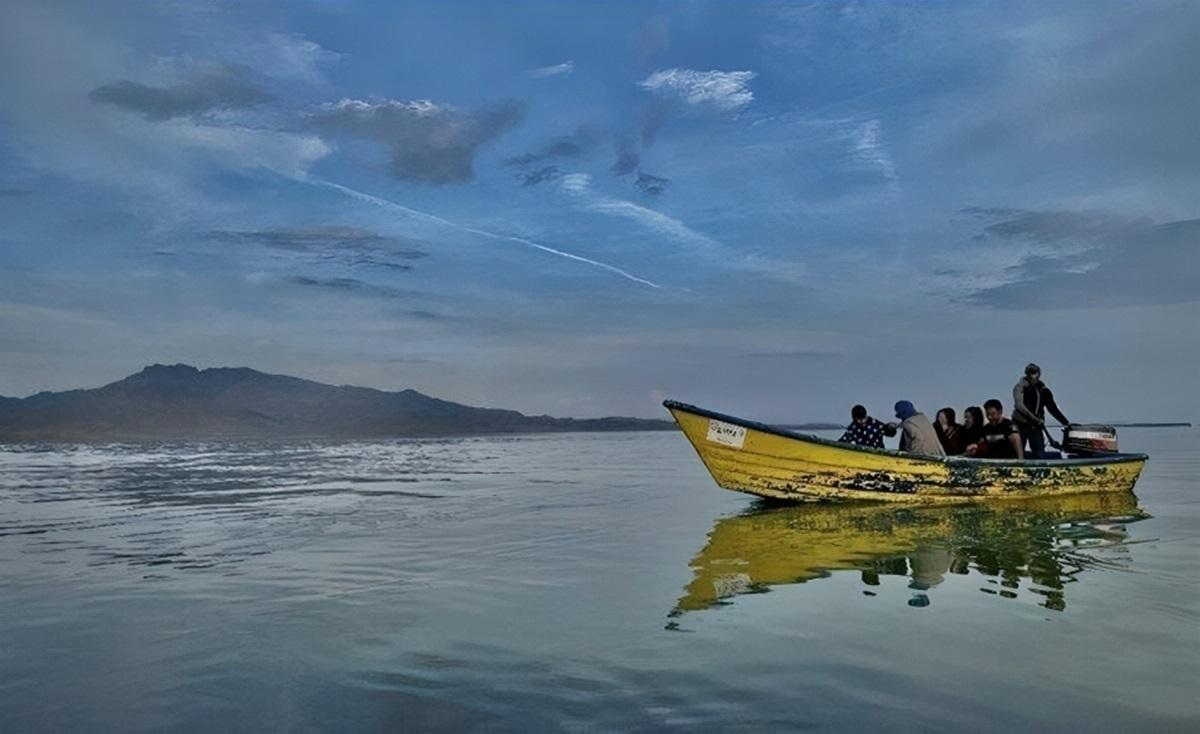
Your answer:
<point x="181" y="402"/>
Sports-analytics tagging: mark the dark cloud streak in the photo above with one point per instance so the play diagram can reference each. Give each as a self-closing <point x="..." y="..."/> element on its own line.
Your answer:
<point x="356" y="287"/>
<point x="628" y="159"/>
<point x="1051" y="226"/>
<point x="650" y="184"/>
<point x="584" y="142"/>
<point x="352" y="285"/>
<point x="1126" y="263"/>
<point x="547" y="173"/>
<point x="222" y="88"/>
<point x="350" y="246"/>
<point x="428" y="143"/>
<point x="566" y="146"/>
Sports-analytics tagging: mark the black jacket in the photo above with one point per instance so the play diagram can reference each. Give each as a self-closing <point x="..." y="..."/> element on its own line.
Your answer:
<point x="1030" y="403"/>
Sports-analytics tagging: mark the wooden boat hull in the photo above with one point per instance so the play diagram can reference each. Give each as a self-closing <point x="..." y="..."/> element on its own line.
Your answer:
<point x="776" y="463"/>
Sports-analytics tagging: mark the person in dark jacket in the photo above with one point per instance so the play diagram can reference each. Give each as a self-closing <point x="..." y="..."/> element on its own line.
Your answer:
<point x="865" y="430"/>
<point x="972" y="427"/>
<point x="1031" y="400"/>
<point x="949" y="433"/>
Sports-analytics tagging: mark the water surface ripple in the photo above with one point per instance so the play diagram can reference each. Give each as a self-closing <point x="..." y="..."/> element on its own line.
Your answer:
<point x="575" y="582"/>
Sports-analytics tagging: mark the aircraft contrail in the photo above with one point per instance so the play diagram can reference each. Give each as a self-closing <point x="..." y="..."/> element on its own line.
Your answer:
<point x="393" y="206"/>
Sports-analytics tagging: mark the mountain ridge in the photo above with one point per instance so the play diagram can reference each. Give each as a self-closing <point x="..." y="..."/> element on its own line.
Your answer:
<point x="181" y="402"/>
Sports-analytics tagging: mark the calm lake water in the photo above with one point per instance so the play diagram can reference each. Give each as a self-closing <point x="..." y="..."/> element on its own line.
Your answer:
<point x="577" y="582"/>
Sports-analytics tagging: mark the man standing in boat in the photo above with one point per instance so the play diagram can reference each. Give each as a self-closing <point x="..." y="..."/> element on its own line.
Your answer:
<point x="1031" y="400"/>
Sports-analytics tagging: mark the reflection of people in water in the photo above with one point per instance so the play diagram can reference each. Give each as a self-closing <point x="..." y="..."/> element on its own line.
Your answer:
<point x="926" y="567"/>
<point x="929" y="567"/>
<point x="1047" y="567"/>
<point x="1040" y="560"/>
<point x="1040" y="545"/>
<point x="884" y="567"/>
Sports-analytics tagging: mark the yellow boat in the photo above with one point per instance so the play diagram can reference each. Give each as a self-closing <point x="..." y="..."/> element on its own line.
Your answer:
<point x="1040" y="544"/>
<point x="777" y="463"/>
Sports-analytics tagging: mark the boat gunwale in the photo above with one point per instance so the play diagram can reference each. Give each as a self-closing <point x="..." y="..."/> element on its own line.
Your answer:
<point x="1121" y="458"/>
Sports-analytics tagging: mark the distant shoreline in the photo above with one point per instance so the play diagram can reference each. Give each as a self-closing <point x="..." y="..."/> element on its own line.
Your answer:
<point x="1135" y="424"/>
<point x="181" y="403"/>
<point x="1150" y="425"/>
<point x="1138" y="424"/>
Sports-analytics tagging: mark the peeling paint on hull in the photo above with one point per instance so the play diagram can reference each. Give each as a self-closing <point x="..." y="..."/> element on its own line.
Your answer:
<point x="780" y="464"/>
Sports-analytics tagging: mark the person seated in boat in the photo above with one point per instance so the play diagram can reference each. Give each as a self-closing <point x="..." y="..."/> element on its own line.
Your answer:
<point x="971" y="432"/>
<point x="1001" y="439"/>
<point x="948" y="431"/>
<point x="1031" y="400"/>
<point x="916" y="432"/>
<point x="865" y="430"/>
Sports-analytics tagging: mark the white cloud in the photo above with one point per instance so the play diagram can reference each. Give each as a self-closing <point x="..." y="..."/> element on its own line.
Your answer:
<point x="722" y="90"/>
<point x="579" y="184"/>
<point x="418" y="107"/>
<point x="576" y="182"/>
<point x="288" y="154"/>
<point x="283" y="56"/>
<point x="868" y="147"/>
<point x="290" y="57"/>
<point x="654" y="220"/>
<point x="563" y="69"/>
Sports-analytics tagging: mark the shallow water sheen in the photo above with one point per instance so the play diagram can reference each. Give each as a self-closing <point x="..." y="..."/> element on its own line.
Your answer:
<point x="576" y="582"/>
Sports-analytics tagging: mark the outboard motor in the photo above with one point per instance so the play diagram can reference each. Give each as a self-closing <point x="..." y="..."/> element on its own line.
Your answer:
<point x="1089" y="440"/>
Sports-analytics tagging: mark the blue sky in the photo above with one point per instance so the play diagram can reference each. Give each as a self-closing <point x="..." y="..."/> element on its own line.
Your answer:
<point x="776" y="210"/>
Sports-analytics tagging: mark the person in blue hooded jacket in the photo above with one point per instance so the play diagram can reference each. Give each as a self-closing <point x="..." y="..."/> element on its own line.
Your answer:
<point x="916" y="432"/>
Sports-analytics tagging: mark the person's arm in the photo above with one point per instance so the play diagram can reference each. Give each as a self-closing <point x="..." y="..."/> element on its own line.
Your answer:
<point x="846" y="437"/>
<point x="1052" y="406"/>
<point x="1019" y="404"/>
<point x="1015" y="439"/>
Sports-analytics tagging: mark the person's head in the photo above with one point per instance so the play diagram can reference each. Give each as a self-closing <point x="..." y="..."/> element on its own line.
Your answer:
<point x="973" y="416"/>
<point x="905" y="409"/>
<point x="994" y="410"/>
<point x="1033" y="373"/>
<point x="858" y="413"/>
<point x="945" y="417"/>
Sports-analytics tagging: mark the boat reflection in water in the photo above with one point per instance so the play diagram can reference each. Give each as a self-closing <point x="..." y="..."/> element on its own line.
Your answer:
<point x="1037" y="547"/>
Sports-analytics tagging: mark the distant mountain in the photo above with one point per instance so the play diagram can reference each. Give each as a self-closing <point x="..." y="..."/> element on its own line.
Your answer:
<point x="181" y="402"/>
